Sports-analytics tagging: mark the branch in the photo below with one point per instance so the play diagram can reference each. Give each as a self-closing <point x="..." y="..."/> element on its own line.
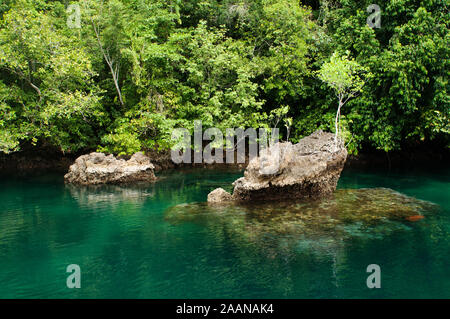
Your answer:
<point x="114" y="69"/>
<point x="351" y="95"/>
<point x="27" y="79"/>
<point x="36" y="89"/>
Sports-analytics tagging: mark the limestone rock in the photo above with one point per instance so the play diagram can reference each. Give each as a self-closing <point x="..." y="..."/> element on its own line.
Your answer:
<point x="308" y="169"/>
<point x="97" y="168"/>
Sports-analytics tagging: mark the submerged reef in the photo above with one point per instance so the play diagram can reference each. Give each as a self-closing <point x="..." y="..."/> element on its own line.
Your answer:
<point x="369" y="212"/>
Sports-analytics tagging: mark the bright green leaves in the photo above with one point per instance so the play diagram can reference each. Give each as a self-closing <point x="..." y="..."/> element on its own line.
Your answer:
<point x="138" y="130"/>
<point x="9" y="131"/>
<point x="343" y="74"/>
<point x="281" y="44"/>
<point x="219" y="87"/>
<point x="52" y="77"/>
<point x="227" y="63"/>
<point x="405" y="102"/>
<point x="346" y="77"/>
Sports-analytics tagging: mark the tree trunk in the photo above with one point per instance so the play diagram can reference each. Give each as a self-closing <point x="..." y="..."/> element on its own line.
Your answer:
<point x="110" y="62"/>
<point x="337" y="120"/>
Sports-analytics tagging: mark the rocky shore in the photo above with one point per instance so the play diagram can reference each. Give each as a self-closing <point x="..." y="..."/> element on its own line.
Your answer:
<point x="308" y="169"/>
<point x="48" y="159"/>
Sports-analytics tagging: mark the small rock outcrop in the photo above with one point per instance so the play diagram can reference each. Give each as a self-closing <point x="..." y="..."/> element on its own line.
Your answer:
<point x="219" y="195"/>
<point x="97" y="168"/>
<point x="309" y="169"/>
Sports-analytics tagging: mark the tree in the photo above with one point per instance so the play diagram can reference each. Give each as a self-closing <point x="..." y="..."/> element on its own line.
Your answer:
<point x="346" y="77"/>
<point x="47" y="85"/>
<point x="107" y="19"/>
<point x="136" y="69"/>
<point x="406" y="102"/>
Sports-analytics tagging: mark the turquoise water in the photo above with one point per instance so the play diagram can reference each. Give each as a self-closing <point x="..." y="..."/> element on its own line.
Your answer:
<point x="127" y="248"/>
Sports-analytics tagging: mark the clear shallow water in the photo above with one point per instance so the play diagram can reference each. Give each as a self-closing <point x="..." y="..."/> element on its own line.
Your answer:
<point x="127" y="248"/>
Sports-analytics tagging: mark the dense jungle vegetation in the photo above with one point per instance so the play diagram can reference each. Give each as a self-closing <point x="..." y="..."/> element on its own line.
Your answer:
<point x="121" y="75"/>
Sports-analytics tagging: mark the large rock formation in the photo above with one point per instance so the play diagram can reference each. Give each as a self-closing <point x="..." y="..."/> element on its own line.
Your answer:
<point x="97" y="168"/>
<point x="308" y="169"/>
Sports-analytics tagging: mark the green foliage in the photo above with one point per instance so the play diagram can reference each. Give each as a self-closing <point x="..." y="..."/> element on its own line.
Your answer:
<point x="346" y="77"/>
<point x="406" y="101"/>
<point x="218" y="87"/>
<point x="10" y="134"/>
<point x="137" y="69"/>
<point x="343" y="75"/>
<point x="54" y="95"/>
<point x="281" y="42"/>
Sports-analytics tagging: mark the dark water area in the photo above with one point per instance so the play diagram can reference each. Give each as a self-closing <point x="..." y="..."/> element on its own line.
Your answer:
<point x="128" y="243"/>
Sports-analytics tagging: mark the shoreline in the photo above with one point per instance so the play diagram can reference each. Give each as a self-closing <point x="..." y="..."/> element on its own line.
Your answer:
<point x="42" y="160"/>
